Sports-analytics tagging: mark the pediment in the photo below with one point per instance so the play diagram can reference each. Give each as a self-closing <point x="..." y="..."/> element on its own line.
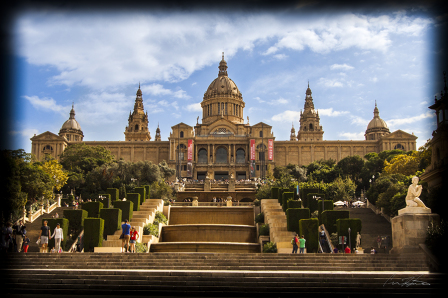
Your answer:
<point x="261" y="124"/>
<point x="399" y="134"/>
<point x="181" y="125"/>
<point x="47" y="136"/>
<point x="229" y="126"/>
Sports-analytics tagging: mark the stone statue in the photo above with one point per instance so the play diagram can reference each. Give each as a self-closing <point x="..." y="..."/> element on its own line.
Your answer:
<point x="231" y="175"/>
<point x="247" y="119"/>
<point x="414" y="191"/>
<point x="197" y="120"/>
<point x="358" y="240"/>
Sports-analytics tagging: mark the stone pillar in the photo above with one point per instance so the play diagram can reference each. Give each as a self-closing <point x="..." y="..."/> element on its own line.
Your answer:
<point x="229" y="201"/>
<point x="231" y="185"/>
<point x="207" y="184"/>
<point x="195" y="202"/>
<point x="409" y="228"/>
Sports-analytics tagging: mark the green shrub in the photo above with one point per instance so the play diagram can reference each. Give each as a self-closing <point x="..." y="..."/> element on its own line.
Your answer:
<point x="286" y="196"/>
<point x="112" y="220"/>
<point x="313" y="203"/>
<point x="355" y="226"/>
<point x="75" y="219"/>
<point x="328" y="205"/>
<point x="151" y="229"/>
<point x="93" y="208"/>
<point x="270" y="247"/>
<point x="126" y="209"/>
<point x="257" y="202"/>
<point x="114" y="194"/>
<point x="274" y="193"/>
<point x="329" y="218"/>
<point x="159" y="217"/>
<point x="134" y="198"/>
<point x="304" y="195"/>
<point x="140" y="247"/>
<point x="294" y="204"/>
<point x="259" y="218"/>
<point x="142" y="192"/>
<point x="148" y="191"/>
<point x="52" y="222"/>
<point x="93" y="233"/>
<point x="293" y="216"/>
<point x="105" y="201"/>
<point x="309" y="228"/>
<point x="264" y="230"/>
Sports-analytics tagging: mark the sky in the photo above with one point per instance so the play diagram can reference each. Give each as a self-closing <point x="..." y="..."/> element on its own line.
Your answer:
<point x="96" y="61"/>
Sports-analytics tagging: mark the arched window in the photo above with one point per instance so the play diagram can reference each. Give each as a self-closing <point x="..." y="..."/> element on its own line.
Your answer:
<point x="202" y="156"/>
<point x="181" y="134"/>
<point x="136" y="127"/>
<point x="240" y="156"/>
<point x="221" y="155"/>
<point x="399" y="146"/>
<point x="311" y="126"/>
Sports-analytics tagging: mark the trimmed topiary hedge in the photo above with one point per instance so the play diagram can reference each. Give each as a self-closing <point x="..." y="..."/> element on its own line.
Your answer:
<point x="126" y="209"/>
<point x="328" y="205"/>
<point x="148" y="191"/>
<point x="293" y="216"/>
<point x="93" y="233"/>
<point x="52" y="222"/>
<point x="329" y="218"/>
<point x="274" y="193"/>
<point x="285" y="198"/>
<point x="312" y="203"/>
<point x="355" y="226"/>
<point x="112" y="220"/>
<point x="294" y="204"/>
<point x="142" y="192"/>
<point x="134" y="198"/>
<point x="114" y="194"/>
<point x="310" y="229"/>
<point x="75" y="219"/>
<point x="304" y="195"/>
<point x="106" y="201"/>
<point x="93" y="208"/>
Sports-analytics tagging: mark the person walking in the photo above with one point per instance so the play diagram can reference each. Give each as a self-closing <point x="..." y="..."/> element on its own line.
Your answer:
<point x="44" y="235"/>
<point x="126" y="232"/>
<point x="17" y="236"/>
<point x="133" y="239"/>
<point x="378" y="241"/>
<point x="6" y="236"/>
<point x="295" y="242"/>
<point x="302" y="244"/>
<point x="26" y="243"/>
<point x="58" y="236"/>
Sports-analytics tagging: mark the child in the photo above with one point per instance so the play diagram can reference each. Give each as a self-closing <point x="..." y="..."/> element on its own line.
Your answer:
<point x="53" y="250"/>
<point x="133" y="239"/>
<point x="26" y="243"/>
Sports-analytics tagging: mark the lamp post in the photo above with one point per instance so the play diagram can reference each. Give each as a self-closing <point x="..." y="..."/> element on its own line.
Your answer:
<point x="349" y="240"/>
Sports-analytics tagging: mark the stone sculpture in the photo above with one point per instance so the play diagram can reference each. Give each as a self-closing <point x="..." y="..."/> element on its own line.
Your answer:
<point x="414" y="191"/>
<point x="358" y="240"/>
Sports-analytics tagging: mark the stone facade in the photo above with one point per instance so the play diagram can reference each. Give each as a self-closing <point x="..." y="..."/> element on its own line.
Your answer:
<point x="220" y="146"/>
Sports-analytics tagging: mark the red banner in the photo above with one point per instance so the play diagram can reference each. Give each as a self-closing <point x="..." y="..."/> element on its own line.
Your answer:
<point x="270" y="149"/>
<point x="190" y="150"/>
<point x="252" y="149"/>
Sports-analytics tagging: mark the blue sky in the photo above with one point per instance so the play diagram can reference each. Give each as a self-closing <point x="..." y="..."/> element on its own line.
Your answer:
<point x="97" y="60"/>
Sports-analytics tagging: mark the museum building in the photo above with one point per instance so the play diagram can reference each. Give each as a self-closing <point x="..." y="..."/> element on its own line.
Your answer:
<point x="222" y="145"/>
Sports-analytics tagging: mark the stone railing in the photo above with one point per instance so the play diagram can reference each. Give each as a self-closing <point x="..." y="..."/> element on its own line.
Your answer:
<point x="377" y="210"/>
<point x="50" y="208"/>
<point x="73" y="247"/>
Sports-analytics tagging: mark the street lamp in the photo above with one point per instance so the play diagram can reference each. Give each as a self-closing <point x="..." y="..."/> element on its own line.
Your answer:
<point x="349" y="240"/>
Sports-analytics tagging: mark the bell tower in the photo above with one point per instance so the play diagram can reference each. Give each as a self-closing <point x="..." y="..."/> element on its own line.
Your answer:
<point x="310" y="129"/>
<point x="137" y="129"/>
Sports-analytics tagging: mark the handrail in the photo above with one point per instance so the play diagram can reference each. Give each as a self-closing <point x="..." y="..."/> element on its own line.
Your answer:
<point x="322" y="226"/>
<point x="73" y="247"/>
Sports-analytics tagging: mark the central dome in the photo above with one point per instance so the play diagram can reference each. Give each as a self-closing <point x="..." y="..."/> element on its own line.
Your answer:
<point x="222" y="99"/>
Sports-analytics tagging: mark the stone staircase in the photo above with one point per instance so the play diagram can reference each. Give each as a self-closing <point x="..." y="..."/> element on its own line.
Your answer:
<point x="217" y="275"/>
<point x="278" y="230"/>
<point x="140" y="218"/>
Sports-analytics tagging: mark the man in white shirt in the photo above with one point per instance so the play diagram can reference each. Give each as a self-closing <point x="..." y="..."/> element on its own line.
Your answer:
<point x="58" y="236"/>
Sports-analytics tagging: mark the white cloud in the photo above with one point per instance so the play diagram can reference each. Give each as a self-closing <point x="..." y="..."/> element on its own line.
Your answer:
<point x="409" y="120"/>
<point x="27" y="133"/>
<point x="374" y="79"/>
<point x="286" y="116"/>
<point x="195" y="107"/>
<point x="341" y="66"/>
<point x="280" y="56"/>
<point x="329" y="82"/>
<point x="278" y="101"/>
<point x="102" y="107"/>
<point x="46" y="103"/>
<point x="353" y="135"/>
<point x="331" y="113"/>
<point x="359" y="121"/>
<point x="159" y="90"/>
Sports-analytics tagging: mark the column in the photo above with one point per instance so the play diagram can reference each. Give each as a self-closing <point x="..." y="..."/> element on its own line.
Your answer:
<point x="300" y="155"/>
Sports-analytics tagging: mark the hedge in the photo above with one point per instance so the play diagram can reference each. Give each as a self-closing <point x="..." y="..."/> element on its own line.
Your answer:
<point x="355" y="226"/>
<point x="134" y="198"/>
<point x="114" y="194"/>
<point x="142" y="192"/>
<point x="294" y="204"/>
<point x="312" y="203"/>
<point x="310" y="229"/>
<point x="52" y="222"/>
<point x="328" y="205"/>
<point x="304" y="195"/>
<point x="293" y="216"/>
<point x="126" y="209"/>
<point x="148" y="191"/>
<point x="93" y="233"/>
<point x="93" y="208"/>
<point x="280" y="194"/>
<point x="285" y="198"/>
<point x="329" y="218"/>
<point x="274" y="193"/>
<point x="106" y="200"/>
<point x="75" y="219"/>
<point x="112" y="220"/>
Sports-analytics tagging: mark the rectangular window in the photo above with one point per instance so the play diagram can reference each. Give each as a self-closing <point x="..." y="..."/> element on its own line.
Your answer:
<point x="258" y="167"/>
<point x="225" y="110"/>
<point x="219" y="109"/>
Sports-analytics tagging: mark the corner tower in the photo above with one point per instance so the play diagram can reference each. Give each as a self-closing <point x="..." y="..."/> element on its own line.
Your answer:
<point x="137" y="129"/>
<point x="222" y="99"/>
<point x="310" y="129"/>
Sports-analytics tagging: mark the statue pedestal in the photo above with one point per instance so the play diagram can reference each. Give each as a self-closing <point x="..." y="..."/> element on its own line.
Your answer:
<point x="410" y="228"/>
<point x="207" y="184"/>
<point x="231" y="185"/>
